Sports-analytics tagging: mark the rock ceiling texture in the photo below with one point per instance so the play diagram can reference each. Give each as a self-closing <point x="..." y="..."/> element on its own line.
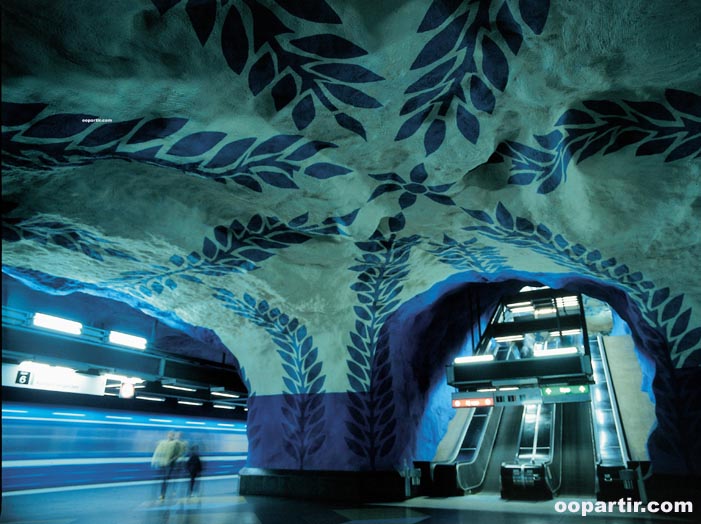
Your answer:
<point x="327" y="185"/>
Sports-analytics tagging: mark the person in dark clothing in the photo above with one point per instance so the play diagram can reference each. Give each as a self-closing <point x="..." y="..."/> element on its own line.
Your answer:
<point x="194" y="467"/>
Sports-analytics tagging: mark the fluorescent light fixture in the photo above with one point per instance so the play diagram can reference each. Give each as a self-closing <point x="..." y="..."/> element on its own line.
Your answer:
<point x="566" y="332"/>
<point x="180" y="388"/>
<point x="508" y="389"/>
<point x="524" y="309"/>
<point x="222" y="394"/>
<point x="154" y="399"/>
<point x="518" y="304"/>
<point x="122" y="378"/>
<point x="509" y="338"/>
<point x="538" y="352"/>
<point x="189" y="403"/>
<point x="123" y="339"/>
<point x="117" y="418"/>
<point x="14" y="411"/>
<point x="57" y="324"/>
<point x="486" y="390"/>
<point x="160" y="420"/>
<point x="110" y="394"/>
<point x="226" y="425"/>
<point x="224" y="406"/>
<point x="197" y="423"/>
<point x="68" y="414"/>
<point x="474" y="358"/>
<point x="545" y="311"/>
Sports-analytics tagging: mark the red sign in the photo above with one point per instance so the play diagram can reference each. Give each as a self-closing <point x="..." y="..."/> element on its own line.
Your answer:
<point x="473" y="402"/>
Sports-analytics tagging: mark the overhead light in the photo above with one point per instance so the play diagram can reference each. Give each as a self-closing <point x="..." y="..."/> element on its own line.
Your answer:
<point x="68" y="414"/>
<point x="123" y="339"/>
<point x="154" y="399"/>
<point x="189" y="403"/>
<point x="486" y="390"/>
<point x="510" y="388"/>
<point x="160" y="420"/>
<point x="524" y="309"/>
<point x="226" y="425"/>
<point x="224" y="406"/>
<point x="57" y="324"/>
<point x="509" y="338"/>
<point x="118" y="418"/>
<point x="126" y="390"/>
<point x="565" y="332"/>
<point x="518" y="304"/>
<point x="543" y="352"/>
<point x="123" y="378"/>
<point x="222" y="394"/>
<point x="195" y="423"/>
<point x="545" y="311"/>
<point x="180" y="388"/>
<point x="474" y="358"/>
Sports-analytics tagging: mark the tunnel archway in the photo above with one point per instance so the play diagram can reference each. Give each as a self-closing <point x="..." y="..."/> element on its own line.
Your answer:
<point x="429" y="330"/>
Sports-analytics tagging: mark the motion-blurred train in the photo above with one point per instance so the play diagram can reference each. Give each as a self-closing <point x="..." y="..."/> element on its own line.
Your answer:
<point x="53" y="446"/>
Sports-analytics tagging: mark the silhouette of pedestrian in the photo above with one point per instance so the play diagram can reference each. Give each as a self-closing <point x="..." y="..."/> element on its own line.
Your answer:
<point x="194" y="466"/>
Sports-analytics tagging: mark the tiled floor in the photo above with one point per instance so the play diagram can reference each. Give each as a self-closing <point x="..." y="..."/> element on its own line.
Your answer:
<point x="219" y="503"/>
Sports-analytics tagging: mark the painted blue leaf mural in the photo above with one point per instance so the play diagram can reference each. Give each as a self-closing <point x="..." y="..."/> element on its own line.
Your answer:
<point x="18" y="114"/>
<point x="302" y="411"/>
<point x="59" y="126"/>
<point x="381" y="271"/>
<point x="157" y="128"/>
<point x="202" y="14"/>
<point x="605" y="127"/>
<point x="234" y="41"/>
<point x="463" y="31"/>
<point x="663" y="311"/>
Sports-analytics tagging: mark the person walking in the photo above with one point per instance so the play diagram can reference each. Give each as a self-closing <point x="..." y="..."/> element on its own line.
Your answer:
<point x="194" y="467"/>
<point x="165" y="457"/>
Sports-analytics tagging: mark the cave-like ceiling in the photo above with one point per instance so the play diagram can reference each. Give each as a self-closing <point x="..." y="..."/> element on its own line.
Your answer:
<point x="288" y="174"/>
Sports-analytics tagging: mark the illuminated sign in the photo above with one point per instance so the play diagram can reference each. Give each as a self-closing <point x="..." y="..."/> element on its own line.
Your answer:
<point x="473" y="402"/>
<point x="552" y="391"/>
<point x="34" y="375"/>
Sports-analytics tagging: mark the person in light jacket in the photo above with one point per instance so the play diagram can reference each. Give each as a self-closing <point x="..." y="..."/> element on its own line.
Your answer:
<point x="165" y="458"/>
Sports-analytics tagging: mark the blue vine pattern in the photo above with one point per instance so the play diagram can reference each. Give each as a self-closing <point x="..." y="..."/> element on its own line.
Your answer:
<point x="46" y="231"/>
<point x="461" y="29"/>
<point x="659" y="308"/>
<point x="381" y="270"/>
<point x="303" y="409"/>
<point x="672" y="128"/>
<point x="249" y="162"/>
<point x="469" y="255"/>
<point x="313" y="72"/>
<point x="236" y="248"/>
<point x="410" y="190"/>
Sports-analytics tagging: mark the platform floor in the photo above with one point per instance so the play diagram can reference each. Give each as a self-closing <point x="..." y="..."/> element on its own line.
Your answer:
<point x="219" y="503"/>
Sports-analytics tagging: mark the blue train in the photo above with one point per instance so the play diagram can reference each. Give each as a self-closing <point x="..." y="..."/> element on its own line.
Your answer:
<point x="54" y="446"/>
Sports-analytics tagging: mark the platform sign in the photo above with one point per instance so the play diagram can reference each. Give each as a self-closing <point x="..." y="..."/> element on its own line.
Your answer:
<point x="566" y="393"/>
<point x="23" y="377"/>
<point x="51" y="378"/>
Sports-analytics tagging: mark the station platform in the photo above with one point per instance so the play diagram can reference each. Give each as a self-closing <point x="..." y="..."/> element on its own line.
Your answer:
<point x="218" y="502"/>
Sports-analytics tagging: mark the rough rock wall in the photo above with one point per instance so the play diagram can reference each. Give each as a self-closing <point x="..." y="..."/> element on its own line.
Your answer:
<point x="299" y="177"/>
